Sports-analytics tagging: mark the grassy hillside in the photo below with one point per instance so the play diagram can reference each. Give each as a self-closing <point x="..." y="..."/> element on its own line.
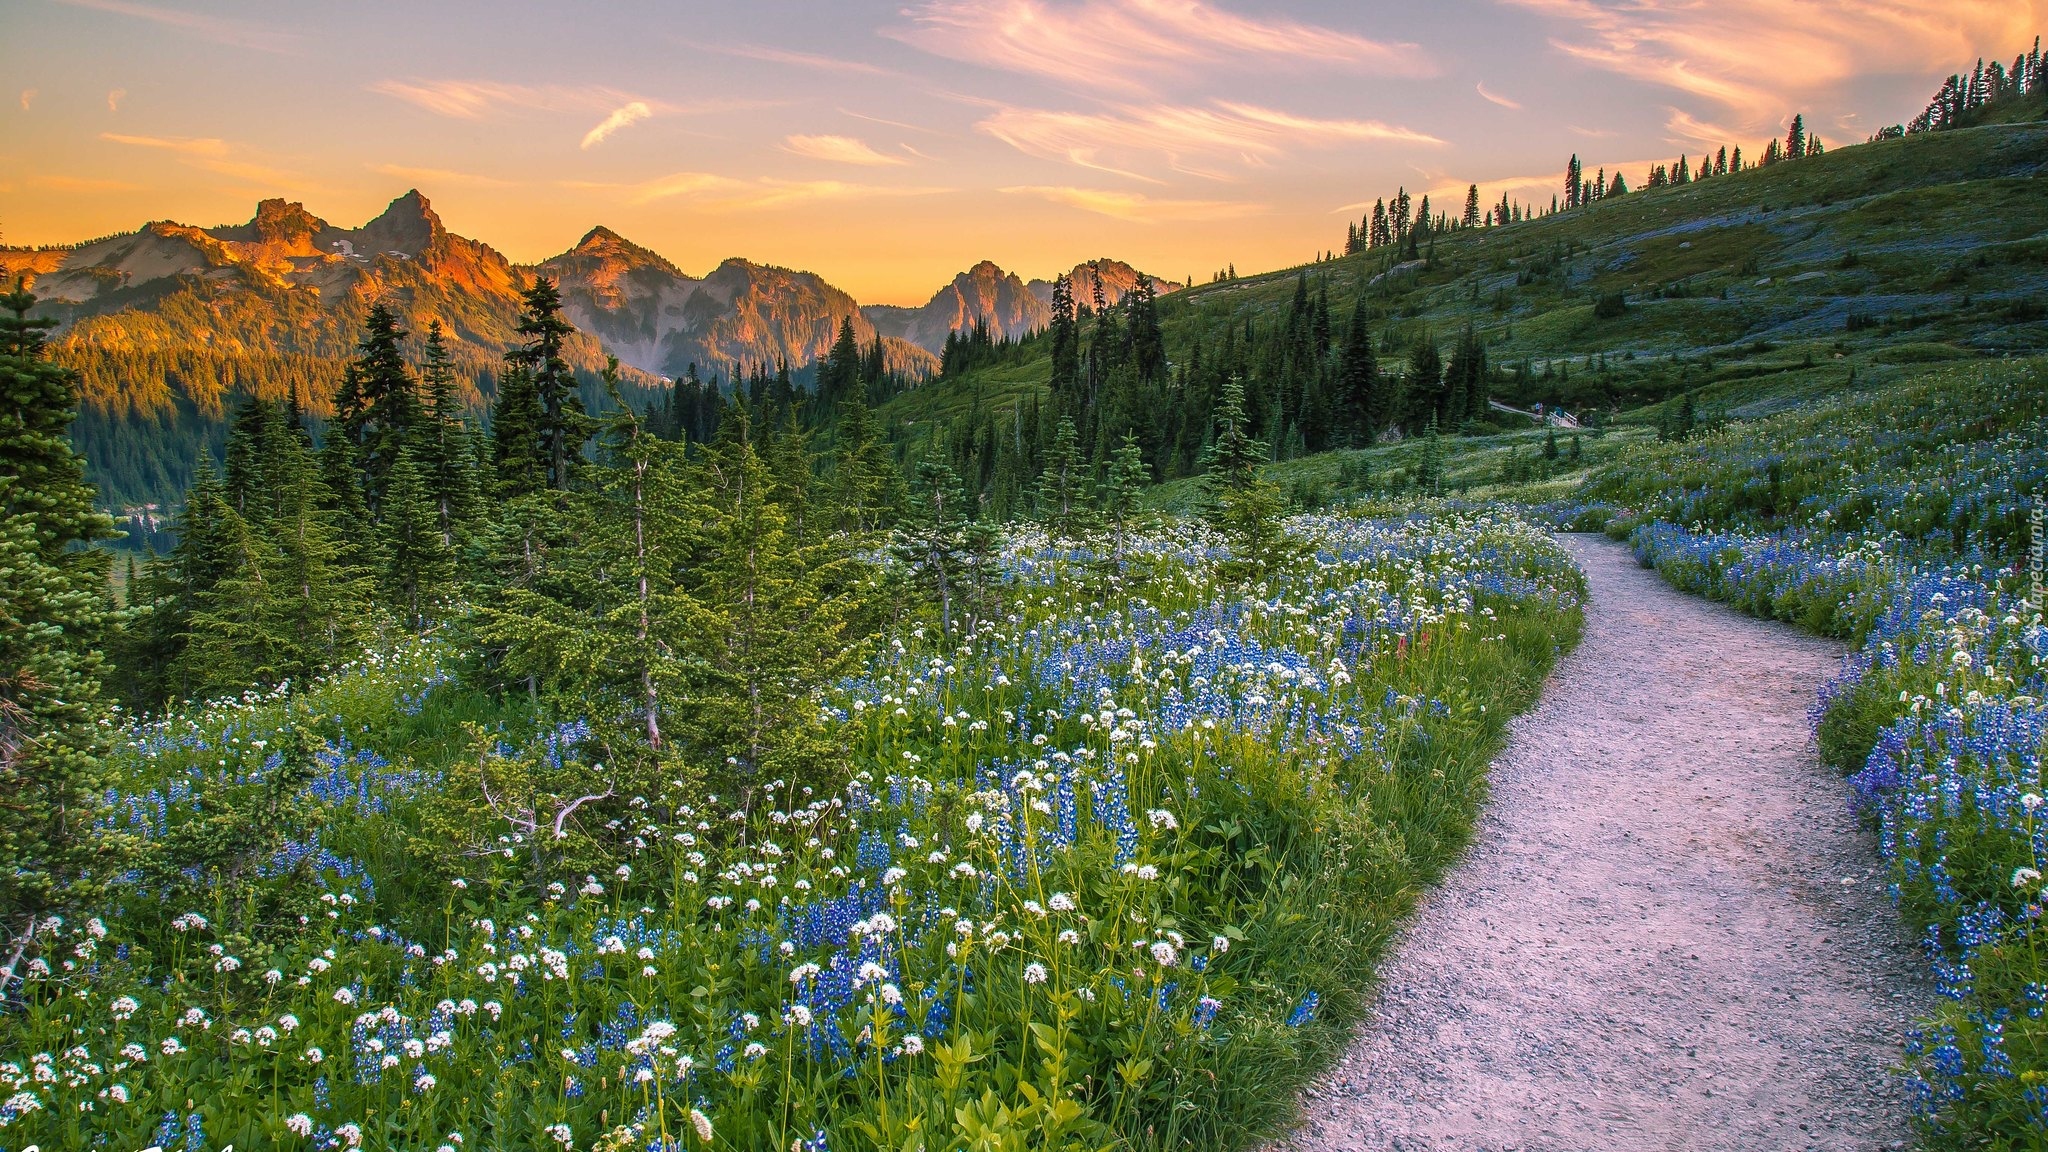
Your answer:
<point x="1754" y="290"/>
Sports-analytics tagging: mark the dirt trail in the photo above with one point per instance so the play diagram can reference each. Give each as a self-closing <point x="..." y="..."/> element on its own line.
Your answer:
<point x="1668" y="934"/>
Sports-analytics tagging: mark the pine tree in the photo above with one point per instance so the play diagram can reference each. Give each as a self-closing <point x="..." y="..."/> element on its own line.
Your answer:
<point x="1429" y="468"/>
<point x="1471" y="219"/>
<point x="1128" y="477"/>
<point x="54" y="849"/>
<point x="1795" y="138"/>
<point x="864" y="481"/>
<point x="376" y="407"/>
<point x="251" y="429"/>
<point x="928" y="540"/>
<point x="839" y="377"/>
<point x="1062" y="494"/>
<point x="562" y="428"/>
<point x="1066" y="339"/>
<point x="1359" y="397"/>
<point x="446" y="456"/>
<point x="419" y="561"/>
<point x="1240" y="503"/>
<point x="516" y="447"/>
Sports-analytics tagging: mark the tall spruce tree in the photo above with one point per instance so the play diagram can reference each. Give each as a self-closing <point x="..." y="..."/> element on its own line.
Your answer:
<point x="1128" y="477"/>
<point x="767" y="628"/>
<point x="1359" y="401"/>
<point x="54" y="849"/>
<point x="419" y="558"/>
<point x="562" y="428"/>
<point x="1063" y="486"/>
<point x="376" y="406"/>
<point x="444" y="451"/>
<point x="929" y="538"/>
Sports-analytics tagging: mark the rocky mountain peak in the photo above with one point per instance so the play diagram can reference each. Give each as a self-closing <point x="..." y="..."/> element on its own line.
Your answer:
<point x="409" y="225"/>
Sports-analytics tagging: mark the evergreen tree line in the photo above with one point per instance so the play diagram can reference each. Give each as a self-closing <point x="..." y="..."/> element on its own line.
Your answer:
<point x="1308" y="382"/>
<point x="1963" y="98"/>
<point x="694" y="584"/>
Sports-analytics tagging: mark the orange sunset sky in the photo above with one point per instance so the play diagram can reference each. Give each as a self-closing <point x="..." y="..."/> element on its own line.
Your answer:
<point x="889" y="145"/>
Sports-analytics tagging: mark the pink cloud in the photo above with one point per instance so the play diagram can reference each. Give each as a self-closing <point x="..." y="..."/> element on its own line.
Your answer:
<point x="1119" y="45"/>
<point x="1757" y="60"/>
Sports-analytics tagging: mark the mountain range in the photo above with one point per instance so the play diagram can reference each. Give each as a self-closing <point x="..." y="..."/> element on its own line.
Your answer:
<point x="168" y="323"/>
<point x="169" y="285"/>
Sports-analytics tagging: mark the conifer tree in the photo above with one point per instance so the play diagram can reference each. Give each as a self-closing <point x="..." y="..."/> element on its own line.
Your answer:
<point x="1429" y="469"/>
<point x="446" y="456"/>
<point x="1128" y="477"/>
<point x="1360" y="402"/>
<point x="562" y="428"/>
<point x="1240" y="503"/>
<point x="516" y="447"/>
<point x="928" y="540"/>
<point x="54" y="850"/>
<point x="864" y="481"/>
<point x="376" y="407"/>
<point x="1795" y="137"/>
<point x="286" y="605"/>
<point x="1062" y="494"/>
<point x="1471" y="218"/>
<point x="839" y="377"/>
<point x="419" y="560"/>
<point x="250" y="431"/>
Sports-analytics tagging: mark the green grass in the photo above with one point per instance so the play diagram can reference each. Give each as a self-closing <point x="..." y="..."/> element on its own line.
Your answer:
<point x="1938" y="241"/>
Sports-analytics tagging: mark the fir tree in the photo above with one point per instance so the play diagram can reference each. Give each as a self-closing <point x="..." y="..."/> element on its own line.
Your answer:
<point x="929" y="538"/>
<point x="1429" y="468"/>
<point x="251" y="429"/>
<point x="446" y="456"/>
<point x="839" y="376"/>
<point x="376" y="406"/>
<point x="516" y="447"/>
<point x="419" y="561"/>
<point x="1063" y="486"/>
<point x="54" y="848"/>
<point x="1240" y="503"/>
<point x="864" y="481"/>
<point x="1128" y="477"/>
<point x="1471" y="217"/>
<point x="562" y="428"/>
<point x="1360" y="402"/>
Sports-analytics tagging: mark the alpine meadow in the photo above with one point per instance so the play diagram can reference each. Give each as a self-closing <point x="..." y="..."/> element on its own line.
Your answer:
<point x="1561" y="667"/>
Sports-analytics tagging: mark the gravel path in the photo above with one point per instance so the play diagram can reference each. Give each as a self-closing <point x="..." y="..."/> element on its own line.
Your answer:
<point x="1668" y="933"/>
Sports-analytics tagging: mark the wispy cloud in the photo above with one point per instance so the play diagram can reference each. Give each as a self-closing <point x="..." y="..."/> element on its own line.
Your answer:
<point x="1209" y="140"/>
<point x="620" y="117"/>
<point x="476" y="99"/>
<point x="808" y="60"/>
<point x="1757" y="59"/>
<point x="439" y="177"/>
<point x="212" y="155"/>
<point x="1121" y="45"/>
<point x="188" y="145"/>
<point x="840" y="150"/>
<point x="28" y="97"/>
<point x="83" y="184"/>
<point x="114" y="99"/>
<point x="1496" y="98"/>
<point x="1135" y="207"/>
<point x="716" y="193"/>
<point x="235" y="33"/>
<point x="892" y="123"/>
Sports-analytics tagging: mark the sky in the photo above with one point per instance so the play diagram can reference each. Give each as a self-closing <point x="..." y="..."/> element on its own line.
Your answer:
<point x="889" y="145"/>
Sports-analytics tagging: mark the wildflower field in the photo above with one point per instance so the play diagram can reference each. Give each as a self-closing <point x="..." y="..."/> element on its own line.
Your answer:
<point x="1899" y="520"/>
<point x="1109" y="871"/>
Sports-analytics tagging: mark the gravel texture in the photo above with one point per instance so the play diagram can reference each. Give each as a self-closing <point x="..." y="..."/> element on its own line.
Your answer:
<point x="1669" y="932"/>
